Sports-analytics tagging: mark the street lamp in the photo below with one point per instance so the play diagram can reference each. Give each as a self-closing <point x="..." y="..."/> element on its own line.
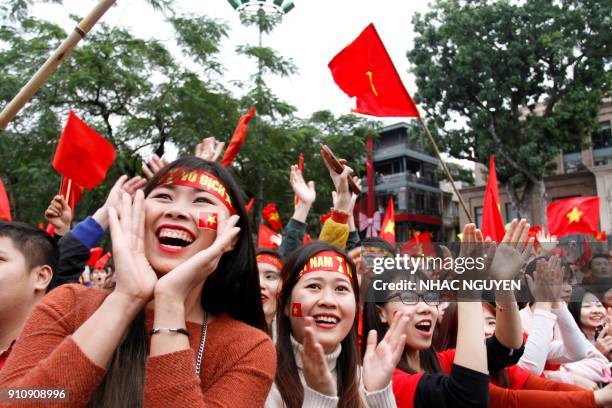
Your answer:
<point x="275" y="7"/>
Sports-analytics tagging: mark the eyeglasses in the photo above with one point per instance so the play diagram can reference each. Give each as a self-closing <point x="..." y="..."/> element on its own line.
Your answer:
<point x="412" y="298"/>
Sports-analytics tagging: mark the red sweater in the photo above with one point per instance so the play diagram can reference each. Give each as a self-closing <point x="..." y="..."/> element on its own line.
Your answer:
<point x="238" y="365"/>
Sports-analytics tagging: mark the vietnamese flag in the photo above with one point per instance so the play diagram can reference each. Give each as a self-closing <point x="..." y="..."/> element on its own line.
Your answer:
<point x="265" y="237"/>
<point x="492" y="223"/>
<point x="270" y="214"/>
<point x="387" y="231"/>
<point x="364" y="70"/>
<point x="238" y="138"/>
<point x="74" y="195"/>
<point x="5" y="207"/>
<point x="208" y="220"/>
<point x="296" y="310"/>
<point x="577" y="215"/>
<point x="82" y="154"/>
<point x="601" y="236"/>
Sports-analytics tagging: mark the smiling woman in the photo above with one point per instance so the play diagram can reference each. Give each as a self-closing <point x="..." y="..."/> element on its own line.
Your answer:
<point x="317" y="332"/>
<point x="187" y="276"/>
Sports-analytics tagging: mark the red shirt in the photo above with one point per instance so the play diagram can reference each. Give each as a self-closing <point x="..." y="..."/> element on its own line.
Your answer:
<point x="4" y="355"/>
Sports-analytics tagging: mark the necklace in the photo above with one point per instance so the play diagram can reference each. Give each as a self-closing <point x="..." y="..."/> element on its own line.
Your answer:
<point x="202" y="343"/>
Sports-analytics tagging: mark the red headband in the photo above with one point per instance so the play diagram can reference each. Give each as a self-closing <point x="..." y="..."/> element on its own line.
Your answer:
<point x="200" y="180"/>
<point x="270" y="260"/>
<point x="327" y="261"/>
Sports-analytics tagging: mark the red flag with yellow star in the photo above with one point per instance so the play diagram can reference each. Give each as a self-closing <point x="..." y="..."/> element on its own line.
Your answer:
<point x="387" y="231"/>
<point x="270" y="214"/>
<point x="492" y="222"/>
<point x="364" y="70"/>
<point x="577" y="215"/>
<point x="208" y="221"/>
<point x="296" y="310"/>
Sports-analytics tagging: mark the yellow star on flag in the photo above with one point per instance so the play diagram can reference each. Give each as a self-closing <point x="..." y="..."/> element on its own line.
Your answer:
<point x="211" y="220"/>
<point x="390" y="228"/>
<point x="574" y="215"/>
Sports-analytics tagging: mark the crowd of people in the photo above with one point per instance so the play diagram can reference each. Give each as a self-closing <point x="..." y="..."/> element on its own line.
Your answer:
<point x="188" y="312"/>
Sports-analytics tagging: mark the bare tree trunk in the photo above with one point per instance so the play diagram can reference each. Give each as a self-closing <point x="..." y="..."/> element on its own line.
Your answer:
<point x="543" y="198"/>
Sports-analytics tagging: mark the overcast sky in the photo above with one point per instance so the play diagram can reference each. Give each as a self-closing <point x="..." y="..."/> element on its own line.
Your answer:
<point x="311" y="34"/>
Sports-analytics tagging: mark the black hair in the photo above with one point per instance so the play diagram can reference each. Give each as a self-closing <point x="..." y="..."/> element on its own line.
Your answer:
<point x="37" y="247"/>
<point x="575" y="304"/>
<point x="599" y="255"/>
<point x="379" y="243"/>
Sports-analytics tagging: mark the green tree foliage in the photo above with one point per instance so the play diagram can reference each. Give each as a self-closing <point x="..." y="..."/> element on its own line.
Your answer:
<point x="526" y="78"/>
<point x="144" y="98"/>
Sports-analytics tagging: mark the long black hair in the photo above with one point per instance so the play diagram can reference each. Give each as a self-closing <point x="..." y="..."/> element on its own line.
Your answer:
<point x="287" y="378"/>
<point x="233" y="289"/>
<point x="371" y="318"/>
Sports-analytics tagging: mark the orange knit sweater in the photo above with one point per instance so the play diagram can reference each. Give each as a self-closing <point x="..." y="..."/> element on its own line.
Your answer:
<point x="238" y="365"/>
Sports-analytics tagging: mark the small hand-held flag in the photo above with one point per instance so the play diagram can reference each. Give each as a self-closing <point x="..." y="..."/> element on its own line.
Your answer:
<point x="271" y="215"/>
<point x="387" y="231"/>
<point x="266" y="237"/>
<point x="577" y="215"/>
<point x="296" y="199"/>
<point x="238" y="138"/>
<point x="82" y="154"/>
<point x="208" y="220"/>
<point x="71" y="192"/>
<point x="5" y="208"/>
<point x="364" y="70"/>
<point x="492" y="223"/>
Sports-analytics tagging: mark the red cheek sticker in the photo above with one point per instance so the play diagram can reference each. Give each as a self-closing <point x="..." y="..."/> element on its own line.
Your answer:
<point x="296" y="310"/>
<point x="208" y="221"/>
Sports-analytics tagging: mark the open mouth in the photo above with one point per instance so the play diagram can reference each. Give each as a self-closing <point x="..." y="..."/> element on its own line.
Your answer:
<point x="264" y="298"/>
<point x="174" y="239"/>
<point x="424" y="327"/>
<point x="326" y="321"/>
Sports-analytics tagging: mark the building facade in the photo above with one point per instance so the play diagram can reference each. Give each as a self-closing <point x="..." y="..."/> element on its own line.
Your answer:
<point x="407" y="173"/>
<point x="586" y="172"/>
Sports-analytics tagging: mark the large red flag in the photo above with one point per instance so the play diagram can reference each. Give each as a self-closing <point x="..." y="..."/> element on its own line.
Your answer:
<point x="387" y="231"/>
<point x="492" y="223"/>
<point x="266" y="237"/>
<point x="364" y="70"/>
<point x="5" y="207"/>
<point x="82" y="154"/>
<point x="270" y="214"/>
<point x="238" y="138"/>
<point x="578" y="215"/>
<point x="74" y="195"/>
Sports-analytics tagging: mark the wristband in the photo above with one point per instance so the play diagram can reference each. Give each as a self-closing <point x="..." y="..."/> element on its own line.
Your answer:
<point x="339" y="216"/>
<point x="178" y="330"/>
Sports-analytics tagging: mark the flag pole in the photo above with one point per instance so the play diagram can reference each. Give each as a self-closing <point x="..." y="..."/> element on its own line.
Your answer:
<point x="59" y="55"/>
<point x="68" y="192"/>
<point x="448" y="175"/>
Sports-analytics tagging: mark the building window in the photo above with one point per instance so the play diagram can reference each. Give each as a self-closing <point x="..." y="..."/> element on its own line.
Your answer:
<point x="454" y="209"/>
<point x="510" y="212"/>
<point x="478" y="216"/>
<point x="602" y="145"/>
<point x="572" y="162"/>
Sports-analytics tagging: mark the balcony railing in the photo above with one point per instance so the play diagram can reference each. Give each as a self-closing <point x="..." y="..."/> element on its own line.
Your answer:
<point x="401" y="177"/>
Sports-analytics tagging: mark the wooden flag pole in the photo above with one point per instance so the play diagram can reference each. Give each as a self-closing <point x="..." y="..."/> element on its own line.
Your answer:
<point x="448" y="175"/>
<point x="68" y="192"/>
<point x="58" y="56"/>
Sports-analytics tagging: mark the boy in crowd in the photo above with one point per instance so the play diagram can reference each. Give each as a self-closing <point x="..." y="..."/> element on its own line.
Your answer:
<point x="28" y="257"/>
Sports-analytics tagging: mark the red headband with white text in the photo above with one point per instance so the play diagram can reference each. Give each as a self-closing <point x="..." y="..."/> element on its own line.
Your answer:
<point x="200" y="180"/>
<point x="270" y="260"/>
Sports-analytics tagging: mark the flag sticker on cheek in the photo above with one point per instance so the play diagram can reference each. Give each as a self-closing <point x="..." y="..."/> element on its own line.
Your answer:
<point x="296" y="309"/>
<point x="208" y="221"/>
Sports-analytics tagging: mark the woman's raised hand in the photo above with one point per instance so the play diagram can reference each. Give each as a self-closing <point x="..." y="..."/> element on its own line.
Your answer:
<point x="134" y="276"/>
<point x="380" y="361"/>
<point x="513" y="251"/>
<point x="316" y="370"/>
<point x="178" y="283"/>
<point x="154" y="164"/>
<point x="304" y="191"/>
<point x="209" y="149"/>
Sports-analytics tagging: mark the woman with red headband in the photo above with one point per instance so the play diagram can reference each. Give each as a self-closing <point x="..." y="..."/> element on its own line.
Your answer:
<point x="269" y="265"/>
<point x="317" y="337"/>
<point x="184" y="325"/>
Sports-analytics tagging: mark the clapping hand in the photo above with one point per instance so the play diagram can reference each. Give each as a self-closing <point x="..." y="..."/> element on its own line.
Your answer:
<point x="380" y="361"/>
<point x="316" y="371"/>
